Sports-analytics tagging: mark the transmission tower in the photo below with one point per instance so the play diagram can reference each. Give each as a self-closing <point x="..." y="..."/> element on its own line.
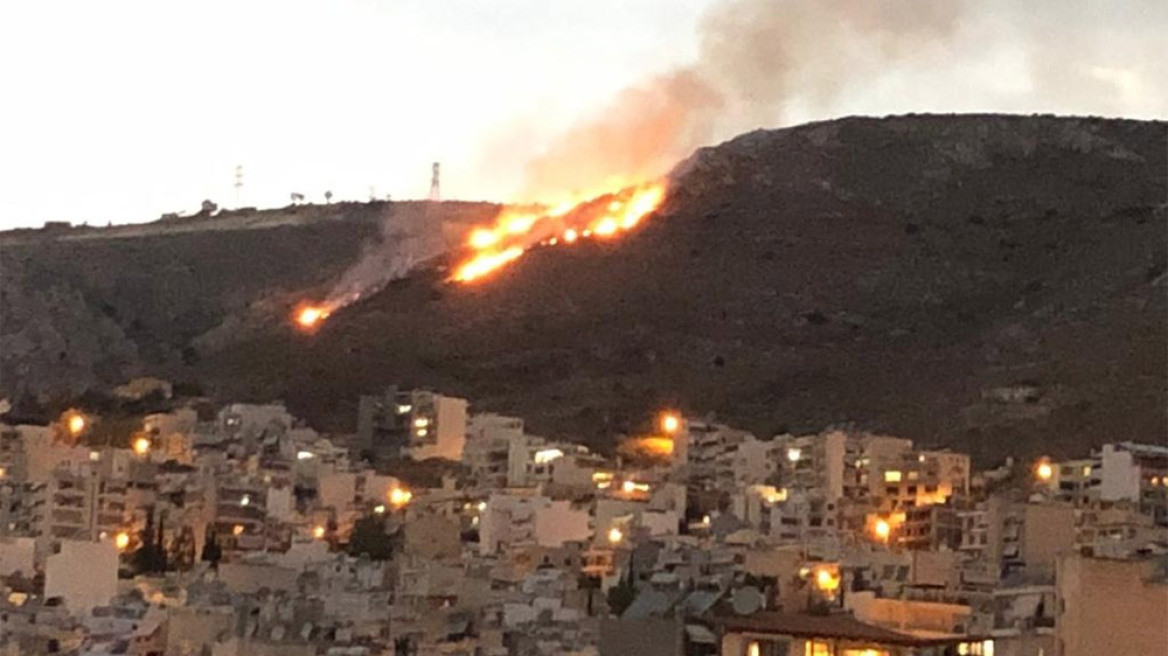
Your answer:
<point x="238" y="183"/>
<point x="434" y="193"/>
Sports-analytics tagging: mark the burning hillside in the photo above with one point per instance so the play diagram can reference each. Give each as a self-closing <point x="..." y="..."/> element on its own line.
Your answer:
<point x="515" y="231"/>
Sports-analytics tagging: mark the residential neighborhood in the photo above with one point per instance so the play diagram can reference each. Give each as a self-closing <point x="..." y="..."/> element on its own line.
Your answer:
<point x="437" y="529"/>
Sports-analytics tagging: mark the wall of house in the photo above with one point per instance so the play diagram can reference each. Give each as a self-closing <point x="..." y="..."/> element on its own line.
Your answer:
<point x="84" y="574"/>
<point x="1110" y="607"/>
<point x="559" y="522"/>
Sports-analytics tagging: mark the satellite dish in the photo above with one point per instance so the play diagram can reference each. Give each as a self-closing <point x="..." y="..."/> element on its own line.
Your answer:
<point x="746" y="601"/>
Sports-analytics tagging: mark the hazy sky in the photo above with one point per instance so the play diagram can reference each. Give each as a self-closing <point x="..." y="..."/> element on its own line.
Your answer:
<point x="120" y="111"/>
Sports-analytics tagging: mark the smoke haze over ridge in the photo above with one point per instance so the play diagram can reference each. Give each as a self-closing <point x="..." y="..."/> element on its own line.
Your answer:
<point x="766" y="63"/>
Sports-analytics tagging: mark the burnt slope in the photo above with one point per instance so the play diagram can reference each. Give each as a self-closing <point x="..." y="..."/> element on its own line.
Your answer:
<point x="992" y="283"/>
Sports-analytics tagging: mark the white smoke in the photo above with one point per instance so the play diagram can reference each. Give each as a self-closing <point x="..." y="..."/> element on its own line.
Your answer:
<point x="765" y="63"/>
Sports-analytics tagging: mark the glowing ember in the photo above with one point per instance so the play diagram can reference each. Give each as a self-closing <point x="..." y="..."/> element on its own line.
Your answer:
<point x="310" y="316"/>
<point x="514" y="232"/>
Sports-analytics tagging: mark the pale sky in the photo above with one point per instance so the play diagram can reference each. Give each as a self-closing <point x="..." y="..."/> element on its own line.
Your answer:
<point x="123" y="110"/>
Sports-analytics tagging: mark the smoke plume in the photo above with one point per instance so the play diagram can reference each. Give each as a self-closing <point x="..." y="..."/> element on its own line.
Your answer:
<point x="761" y="62"/>
<point x="407" y="239"/>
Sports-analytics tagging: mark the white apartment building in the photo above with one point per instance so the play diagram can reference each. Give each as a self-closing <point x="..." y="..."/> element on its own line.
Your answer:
<point x="417" y="424"/>
<point x="488" y="446"/>
<point x="518" y="520"/>
<point x="1137" y="473"/>
<point x="704" y="453"/>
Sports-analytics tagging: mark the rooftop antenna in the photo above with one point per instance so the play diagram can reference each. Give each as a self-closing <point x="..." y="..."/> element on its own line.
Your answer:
<point x="238" y="182"/>
<point x="435" y="196"/>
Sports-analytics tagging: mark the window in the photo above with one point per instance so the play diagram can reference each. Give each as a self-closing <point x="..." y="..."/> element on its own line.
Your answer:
<point x="816" y="648"/>
<point x="892" y="476"/>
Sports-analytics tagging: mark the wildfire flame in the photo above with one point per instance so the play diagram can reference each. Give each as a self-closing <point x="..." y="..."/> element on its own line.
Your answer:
<point x="515" y="232"/>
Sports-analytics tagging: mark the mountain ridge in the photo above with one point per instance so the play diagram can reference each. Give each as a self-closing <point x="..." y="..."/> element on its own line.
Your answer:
<point x="991" y="283"/>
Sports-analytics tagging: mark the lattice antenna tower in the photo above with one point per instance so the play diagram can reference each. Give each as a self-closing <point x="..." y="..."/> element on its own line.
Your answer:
<point x="435" y="194"/>
<point x="238" y="183"/>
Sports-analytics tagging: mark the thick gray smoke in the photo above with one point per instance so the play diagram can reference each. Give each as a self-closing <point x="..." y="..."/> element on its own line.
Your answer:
<point x="762" y="63"/>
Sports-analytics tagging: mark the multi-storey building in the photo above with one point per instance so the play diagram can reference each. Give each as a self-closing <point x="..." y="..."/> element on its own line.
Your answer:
<point x="1076" y="481"/>
<point x="703" y="453"/>
<point x="417" y="424"/>
<point x="88" y="501"/>
<point x="241" y="514"/>
<point x="1136" y="473"/>
<point x="489" y="439"/>
<point x="931" y="527"/>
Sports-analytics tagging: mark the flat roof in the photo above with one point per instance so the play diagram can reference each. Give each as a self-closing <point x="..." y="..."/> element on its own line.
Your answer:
<point x="840" y="627"/>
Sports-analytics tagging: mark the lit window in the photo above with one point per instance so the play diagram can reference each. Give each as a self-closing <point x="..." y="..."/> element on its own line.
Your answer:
<point x="793" y="454"/>
<point x="816" y="648"/>
<point x="547" y="455"/>
<point x="892" y="476"/>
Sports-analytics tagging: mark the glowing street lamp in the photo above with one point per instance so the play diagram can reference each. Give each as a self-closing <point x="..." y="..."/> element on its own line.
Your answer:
<point x="399" y="497"/>
<point x="1044" y="471"/>
<point x="615" y="535"/>
<point x="318" y="532"/>
<point x="76" y="424"/>
<point x="122" y="541"/>
<point x="141" y="446"/>
<point x="670" y="423"/>
<point x="882" y="529"/>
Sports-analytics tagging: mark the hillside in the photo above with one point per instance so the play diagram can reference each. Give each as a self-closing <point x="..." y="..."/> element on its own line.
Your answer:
<point x="89" y="307"/>
<point x="988" y="282"/>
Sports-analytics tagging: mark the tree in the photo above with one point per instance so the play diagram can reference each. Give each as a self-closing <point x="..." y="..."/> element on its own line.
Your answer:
<point x="369" y="538"/>
<point x="621" y="596"/>
<point x="150" y="557"/>
<point x="211" y="550"/>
